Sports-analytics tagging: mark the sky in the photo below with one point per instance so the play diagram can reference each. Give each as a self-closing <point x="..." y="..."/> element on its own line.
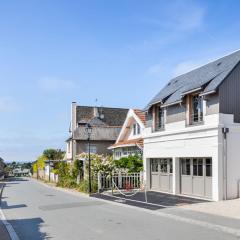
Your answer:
<point x="119" y="52"/>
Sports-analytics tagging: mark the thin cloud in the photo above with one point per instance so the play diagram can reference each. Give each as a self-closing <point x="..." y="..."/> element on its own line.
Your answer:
<point x="179" y="16"/>
<point x="155" y="70"/>
<point x="185" y="67"/>
<point x="52" y="85"/>
<point x="7" y="104"/>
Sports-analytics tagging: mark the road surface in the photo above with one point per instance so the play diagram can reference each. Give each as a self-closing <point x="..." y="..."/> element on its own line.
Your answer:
<point x="37" y="211"/>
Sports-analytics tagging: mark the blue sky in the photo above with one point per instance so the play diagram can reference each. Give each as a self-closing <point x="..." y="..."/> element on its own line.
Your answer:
<point x="120" y="52"/>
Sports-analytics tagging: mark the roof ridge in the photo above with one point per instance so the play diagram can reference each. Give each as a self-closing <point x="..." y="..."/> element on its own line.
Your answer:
<point x="204" y="64"/>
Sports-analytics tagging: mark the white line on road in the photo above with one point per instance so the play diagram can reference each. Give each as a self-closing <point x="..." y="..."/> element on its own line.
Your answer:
<point x="13" y="235"/>
<point x="211" y="226"/>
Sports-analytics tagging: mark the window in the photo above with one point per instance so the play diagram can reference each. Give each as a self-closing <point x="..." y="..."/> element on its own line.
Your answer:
<point x="197" y="167"/>
<point x="163" y="165"/>
<point x="186" y="169"/>
<point x="136" y="129"/>
<point x="208" y="167"/>
<point x="197" y="109"/>
<point x="154" y="165"/>
<point x="93" y="149"/>
<point x="160" y="118"/>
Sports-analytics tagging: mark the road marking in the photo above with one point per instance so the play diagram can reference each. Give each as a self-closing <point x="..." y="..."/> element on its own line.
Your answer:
<point x="132" y="200"/>
<point x="211" y="226"/>
<point x="13" y="235"/>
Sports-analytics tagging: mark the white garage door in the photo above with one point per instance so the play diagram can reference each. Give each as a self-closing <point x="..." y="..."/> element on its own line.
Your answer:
<point x="196" y="177"/>
<point x="161" y="174"/>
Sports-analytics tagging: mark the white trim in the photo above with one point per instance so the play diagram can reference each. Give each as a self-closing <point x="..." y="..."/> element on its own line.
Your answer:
<point x="171" y="104"/>
<point x="191" y="91"/>
<point x="207" y="93"/>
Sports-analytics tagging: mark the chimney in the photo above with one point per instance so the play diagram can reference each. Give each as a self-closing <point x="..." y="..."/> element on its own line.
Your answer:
<point x="95" y="112"/>
<point x="73" y="116"/>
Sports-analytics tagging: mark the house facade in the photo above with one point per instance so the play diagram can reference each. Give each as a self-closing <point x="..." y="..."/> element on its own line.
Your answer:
<point x="192" y="134"/>
<point x="106" y="125"/>
<point x="130" y="141"/>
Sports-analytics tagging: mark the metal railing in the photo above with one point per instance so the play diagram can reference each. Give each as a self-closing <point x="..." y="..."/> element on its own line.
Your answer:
<point x="119" y="180"/>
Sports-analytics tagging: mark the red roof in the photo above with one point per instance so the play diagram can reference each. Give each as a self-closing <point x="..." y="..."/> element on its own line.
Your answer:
<point x="141" y="115"/>
<point x="136" y="142"/>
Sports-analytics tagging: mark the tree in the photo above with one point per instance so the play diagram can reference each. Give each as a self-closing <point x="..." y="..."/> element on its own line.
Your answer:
<point x="131" y="164"/>
<point x="53" y="154"/>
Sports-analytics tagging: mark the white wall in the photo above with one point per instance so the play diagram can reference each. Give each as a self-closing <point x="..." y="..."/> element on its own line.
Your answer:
<point x="181" y="141"/>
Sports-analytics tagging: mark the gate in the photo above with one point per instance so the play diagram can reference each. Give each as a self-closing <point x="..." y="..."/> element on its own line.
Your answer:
<point x="120" y="181"/>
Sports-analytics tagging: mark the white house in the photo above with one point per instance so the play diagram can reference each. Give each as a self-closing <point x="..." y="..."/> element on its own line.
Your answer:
<point x="129" y="141"/>
<point x="192" y="134"/>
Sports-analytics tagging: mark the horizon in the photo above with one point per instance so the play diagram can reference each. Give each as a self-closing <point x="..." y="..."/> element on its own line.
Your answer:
<point x="120" y="53"/>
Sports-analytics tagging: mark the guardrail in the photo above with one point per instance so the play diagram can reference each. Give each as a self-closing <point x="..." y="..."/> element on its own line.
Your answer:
<point x="1" y="192"/>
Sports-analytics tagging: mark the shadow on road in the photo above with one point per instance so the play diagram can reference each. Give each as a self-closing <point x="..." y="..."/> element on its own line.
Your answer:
<point x="29" y="229"/>
<point x="4" y="205"/>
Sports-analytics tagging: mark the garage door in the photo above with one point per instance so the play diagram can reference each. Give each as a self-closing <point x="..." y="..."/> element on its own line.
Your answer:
<point x="196" y="177"/>
<point x="161" y="174"/>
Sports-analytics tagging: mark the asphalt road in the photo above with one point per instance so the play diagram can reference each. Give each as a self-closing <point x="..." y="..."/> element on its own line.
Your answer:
<point x="37" y="212"/>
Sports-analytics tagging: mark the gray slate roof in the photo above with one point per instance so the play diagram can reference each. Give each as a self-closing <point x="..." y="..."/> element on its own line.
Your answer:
<point x="98" y="133"/>
<point x="207" y="77"/>
<point x="111" y="116"/>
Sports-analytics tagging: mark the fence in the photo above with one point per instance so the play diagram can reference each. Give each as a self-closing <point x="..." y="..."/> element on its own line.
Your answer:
<point x="120" y="180"/>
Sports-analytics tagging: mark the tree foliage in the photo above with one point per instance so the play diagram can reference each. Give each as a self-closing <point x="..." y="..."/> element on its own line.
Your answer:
<point x="54" y="154"/>
<point x="131" y="164"/>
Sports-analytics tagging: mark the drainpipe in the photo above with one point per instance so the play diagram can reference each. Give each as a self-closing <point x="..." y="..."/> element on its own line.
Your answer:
<point x="225" y="131"/>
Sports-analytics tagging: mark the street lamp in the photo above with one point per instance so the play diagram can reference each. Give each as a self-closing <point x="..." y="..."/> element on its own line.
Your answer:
<point x="88" y="129"/>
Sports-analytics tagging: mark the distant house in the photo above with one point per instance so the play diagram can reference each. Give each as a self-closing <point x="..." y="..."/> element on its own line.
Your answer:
<point x="130" y="141"/>
<point x="106" y="125"/>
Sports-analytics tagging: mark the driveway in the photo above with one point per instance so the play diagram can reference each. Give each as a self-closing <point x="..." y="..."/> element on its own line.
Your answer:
<point x="150" y="200"/>
<point x="37" y="211"/>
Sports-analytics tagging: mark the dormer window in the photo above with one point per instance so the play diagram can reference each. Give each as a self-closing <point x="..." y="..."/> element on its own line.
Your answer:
<point x="160" y="118"/>
<point x="196" y="109"/>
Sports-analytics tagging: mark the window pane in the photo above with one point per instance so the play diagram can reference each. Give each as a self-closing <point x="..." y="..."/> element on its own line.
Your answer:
<point x="154" y="165"/>
<point x="200" y="167"/>
<point x="163" y="165"/>
<point x="170" y="166"/>
<point x="195" y="167"/>
<point x="188" y="167"/>
<point x="209" y="167"/>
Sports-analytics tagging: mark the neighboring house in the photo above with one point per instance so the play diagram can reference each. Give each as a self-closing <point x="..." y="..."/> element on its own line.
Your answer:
<point x="192" y="137"/>
<point x="106" y="124"/>
<point x="129" y="141"/>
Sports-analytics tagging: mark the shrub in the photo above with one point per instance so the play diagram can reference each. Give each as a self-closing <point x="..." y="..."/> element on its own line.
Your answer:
<point x="84" y="185"/>
<point x="132" y="163"/>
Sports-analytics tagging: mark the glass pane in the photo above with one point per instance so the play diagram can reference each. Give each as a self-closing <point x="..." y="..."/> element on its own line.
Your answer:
<point x="188" y="167"/>
<point x="163" y="165"/>
<point x="170" y="166"/>
<point x="154" y="165"/>
<point x="209" y="167"/>
<point x="195" y="167"/>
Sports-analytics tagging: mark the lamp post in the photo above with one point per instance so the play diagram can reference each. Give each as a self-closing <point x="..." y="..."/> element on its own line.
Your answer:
<point x="88" y="130"/>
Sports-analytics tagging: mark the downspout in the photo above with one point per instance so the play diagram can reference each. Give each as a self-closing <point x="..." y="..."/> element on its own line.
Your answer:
<point x="225" y="131"/>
